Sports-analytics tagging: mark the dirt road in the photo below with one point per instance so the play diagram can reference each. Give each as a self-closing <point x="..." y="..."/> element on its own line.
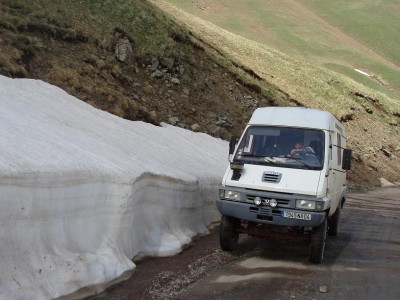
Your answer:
<point x="362" y="262"/>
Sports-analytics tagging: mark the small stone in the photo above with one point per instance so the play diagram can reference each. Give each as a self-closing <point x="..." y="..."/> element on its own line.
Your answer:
<point x="153" y="115"/>
<point x="195" y="127"/>
<point x="216" y="131"/>
<point x="371" y="150"/>
<point x="135" y="96"/>
<point x="186" y="91"/>
<point x="123" y="49"/>
<point x="323" y="289"/>
<point x="386" y="152"/>
<point x="173" y="120"/>
<point x="386" y="183"/>
<point x="211" y="115"/>
<point x="155" y="64"/>
<point x="157" y="74"/>
<point x="175" y="80"/>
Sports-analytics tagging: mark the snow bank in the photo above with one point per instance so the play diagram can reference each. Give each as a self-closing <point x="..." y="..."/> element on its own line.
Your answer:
<point x="82" y="192"/>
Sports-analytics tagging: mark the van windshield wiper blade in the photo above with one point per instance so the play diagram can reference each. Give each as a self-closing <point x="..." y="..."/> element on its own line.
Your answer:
<point x="300" y="160"/>
<point x="270" y="159"/>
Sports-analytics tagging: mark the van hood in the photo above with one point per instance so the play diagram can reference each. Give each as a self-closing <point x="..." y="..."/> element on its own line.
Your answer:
<point x="284" y="180"/>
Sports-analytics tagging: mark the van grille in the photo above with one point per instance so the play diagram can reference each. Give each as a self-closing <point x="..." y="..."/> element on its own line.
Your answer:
<point x="270" y="176"/>
<point x="281" y="202"/>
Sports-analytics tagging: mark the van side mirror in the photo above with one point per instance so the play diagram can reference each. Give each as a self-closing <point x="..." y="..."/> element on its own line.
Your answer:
<point x="232" y="144"/>
<point x="346" y="162"/>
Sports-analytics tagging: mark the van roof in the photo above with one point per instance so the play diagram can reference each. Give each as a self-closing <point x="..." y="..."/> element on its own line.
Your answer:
<point x="296" y="117"/>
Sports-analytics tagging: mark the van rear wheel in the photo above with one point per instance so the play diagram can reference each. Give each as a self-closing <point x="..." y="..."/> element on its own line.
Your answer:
<point x="317" y="243"/>
<point x="228" y="236"/>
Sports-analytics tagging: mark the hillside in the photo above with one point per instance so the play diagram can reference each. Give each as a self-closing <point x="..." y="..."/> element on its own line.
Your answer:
<point x="339" y="35"/>
<point x="193" y="75"/>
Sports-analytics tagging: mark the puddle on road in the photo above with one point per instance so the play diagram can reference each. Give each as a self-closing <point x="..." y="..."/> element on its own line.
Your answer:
<point x="353" y="269"/>
<point x="257" y="268"/>
<point x="238" y="278"/>
<point x="257" y="262"/>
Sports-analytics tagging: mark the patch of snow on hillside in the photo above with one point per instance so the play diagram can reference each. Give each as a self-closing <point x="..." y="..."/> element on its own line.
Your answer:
<point x="361" y="72"/>
<point x="82" y="192"/>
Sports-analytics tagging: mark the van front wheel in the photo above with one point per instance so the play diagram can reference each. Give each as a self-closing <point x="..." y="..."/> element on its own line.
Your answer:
<point x="334" y="221"/>
<point x="228" y="237"/>
<point x="317" y="243"/>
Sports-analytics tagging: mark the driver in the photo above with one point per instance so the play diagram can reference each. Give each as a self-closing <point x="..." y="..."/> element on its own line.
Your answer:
<point x="299" y="149"/>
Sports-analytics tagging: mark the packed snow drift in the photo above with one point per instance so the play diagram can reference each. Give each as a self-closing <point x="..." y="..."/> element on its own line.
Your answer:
<point x="82" y="192"/>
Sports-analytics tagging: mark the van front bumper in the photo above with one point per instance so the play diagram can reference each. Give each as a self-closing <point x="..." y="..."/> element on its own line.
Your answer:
<point x="268" y="215"/>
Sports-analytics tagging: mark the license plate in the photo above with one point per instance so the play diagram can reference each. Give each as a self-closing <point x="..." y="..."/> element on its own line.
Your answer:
<point x="295" y="215"/>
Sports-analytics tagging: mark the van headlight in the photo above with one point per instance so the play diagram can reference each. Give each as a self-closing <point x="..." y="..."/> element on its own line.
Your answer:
<point x="310" y="205"/>
<point x="231" y="195"/>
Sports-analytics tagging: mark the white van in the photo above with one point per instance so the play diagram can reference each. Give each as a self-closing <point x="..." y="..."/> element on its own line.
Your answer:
<point x="287" y="175"/>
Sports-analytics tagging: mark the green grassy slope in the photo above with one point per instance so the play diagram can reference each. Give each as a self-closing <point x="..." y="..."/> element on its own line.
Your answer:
<point x="376" y="25"/>
<point x="327" y="33"/>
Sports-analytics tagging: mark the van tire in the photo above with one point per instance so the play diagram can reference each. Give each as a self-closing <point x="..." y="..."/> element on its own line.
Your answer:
<point x="317" y="243"/>
<point x="228" y="236"/>
<point x="334" y="221"/>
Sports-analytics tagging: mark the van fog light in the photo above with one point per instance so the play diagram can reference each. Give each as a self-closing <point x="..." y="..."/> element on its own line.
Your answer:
<point x="257" y="200"/>
<point x="273" y="203"/>
<point x="305" y="204"/>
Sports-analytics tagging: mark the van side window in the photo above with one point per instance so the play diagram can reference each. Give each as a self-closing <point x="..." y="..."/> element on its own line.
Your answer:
<point x="339" y="149"/>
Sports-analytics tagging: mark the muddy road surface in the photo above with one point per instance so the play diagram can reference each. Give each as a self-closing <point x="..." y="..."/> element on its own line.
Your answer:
<point x="362" y="262"/>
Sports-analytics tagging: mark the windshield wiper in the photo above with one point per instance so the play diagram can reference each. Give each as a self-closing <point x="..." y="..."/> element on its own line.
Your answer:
<point x="300" y="160"/>
<point x="258" y="160"/>
<point x="270" y="159"/>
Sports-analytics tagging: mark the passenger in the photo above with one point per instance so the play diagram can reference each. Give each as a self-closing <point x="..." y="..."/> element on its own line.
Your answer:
<point x="299" y="149"/>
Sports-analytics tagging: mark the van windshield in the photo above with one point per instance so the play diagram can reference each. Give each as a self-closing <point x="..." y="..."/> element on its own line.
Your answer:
<point x="282" y="147"/>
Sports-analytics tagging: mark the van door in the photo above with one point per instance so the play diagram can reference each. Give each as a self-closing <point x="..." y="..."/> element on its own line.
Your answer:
<point x="335" y="170"/>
